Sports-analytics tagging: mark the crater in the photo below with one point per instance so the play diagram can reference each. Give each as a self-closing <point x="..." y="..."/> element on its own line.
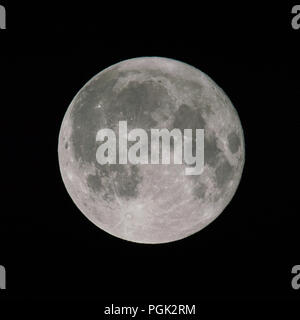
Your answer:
<point x="127" y="179"/>
<point x="234" y="142"/>
<point x="224" y="173"/>
<point x="199" y="190"/>
<point x="94" y="182"/>
<point x="211" y="150"/>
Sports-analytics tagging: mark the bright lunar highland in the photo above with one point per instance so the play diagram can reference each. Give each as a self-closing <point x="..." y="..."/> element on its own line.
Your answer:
<point x="151" y="203"/>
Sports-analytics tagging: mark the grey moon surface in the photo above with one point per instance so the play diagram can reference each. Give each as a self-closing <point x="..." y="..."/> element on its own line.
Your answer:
<point x="151" y="203"/>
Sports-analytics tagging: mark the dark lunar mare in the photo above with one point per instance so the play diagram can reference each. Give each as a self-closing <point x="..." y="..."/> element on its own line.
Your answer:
<point x="135" y="103"/>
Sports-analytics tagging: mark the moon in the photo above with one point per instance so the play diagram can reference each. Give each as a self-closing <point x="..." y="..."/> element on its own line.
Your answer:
<point x="151" y="203"/>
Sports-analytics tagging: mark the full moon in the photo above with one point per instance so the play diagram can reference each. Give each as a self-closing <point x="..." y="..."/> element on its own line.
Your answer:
<point x="151" y="203"/>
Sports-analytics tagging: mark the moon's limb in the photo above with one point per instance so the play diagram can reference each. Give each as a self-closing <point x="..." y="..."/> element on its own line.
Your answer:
<point x="151" y="203"/>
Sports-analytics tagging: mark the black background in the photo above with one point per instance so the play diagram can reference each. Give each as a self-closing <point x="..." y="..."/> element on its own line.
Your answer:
<point x="50" y="250"/>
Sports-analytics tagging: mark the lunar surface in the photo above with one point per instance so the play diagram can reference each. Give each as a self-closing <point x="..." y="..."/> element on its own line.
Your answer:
<point x="151" y="203"/>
